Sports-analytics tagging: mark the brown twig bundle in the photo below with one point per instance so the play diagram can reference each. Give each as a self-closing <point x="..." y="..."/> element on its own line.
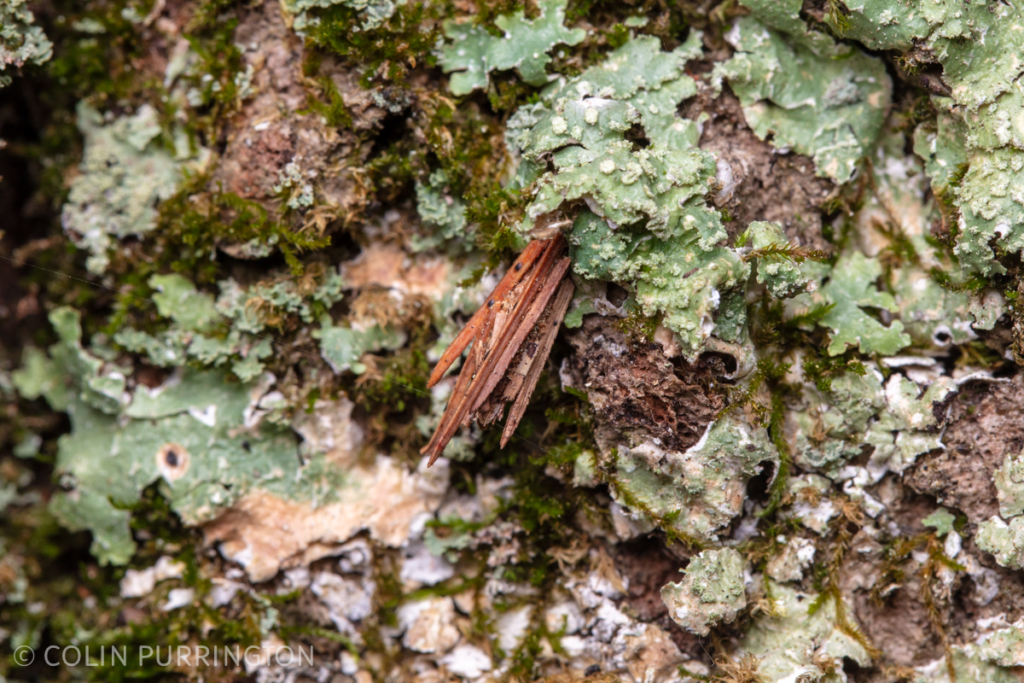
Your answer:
<point x="512" y="336"/>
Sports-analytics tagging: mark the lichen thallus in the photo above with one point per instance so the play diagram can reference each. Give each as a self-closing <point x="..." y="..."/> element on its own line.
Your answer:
<point x="512" y="334"/>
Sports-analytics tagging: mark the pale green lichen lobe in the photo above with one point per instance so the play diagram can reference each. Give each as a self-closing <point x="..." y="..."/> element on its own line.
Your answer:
<point x="825" y="99"/>
<point x="126" y="171"/>
<point x="698" y="492"/>
<point x="374" y="13"/>
<point x="524" y="46"/>
<point x="711" y="593"/>
<point x="21" y="41"/>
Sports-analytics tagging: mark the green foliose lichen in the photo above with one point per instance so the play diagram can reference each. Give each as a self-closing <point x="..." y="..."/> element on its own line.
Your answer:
<point x="21" y="41"/>
<point x="933" y="301"/>
<point x="98" y="383"/>
<point x="472" y="52"/>
<point x="1005" y="540"/>
<point x="802" y="637"/>
<point x="127" y="168"/>
<point x="941" y="520"/>
<point x="373" y="13"/>
<point x="975" y="150"/>
<point x="711" y="593"/>
<point x="646" y="225"/>
<point x="698" y="492"/>
<point x="266" y="304"/>
<point x="215" y="332"/>
<point x="907" y="427"/>
<point x="968" y="663"/>
<point x="824" y="426"/>
<point x="1003" y="646"/>
<point x="822" y="98"/>
<point x="176" y="298"/>
<point x="674" y="277"/>
<point x="582" y="125"/>
<point x="1009" y="481"/>
<point x="201" y="435"/>
<point x="444" y="213"/>
<point x="342" y="347"/>
<point x="850" y="290"/>
<point x="897" y="419"/>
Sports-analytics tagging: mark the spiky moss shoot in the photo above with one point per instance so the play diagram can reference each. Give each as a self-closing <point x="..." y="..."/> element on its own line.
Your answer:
<point x="892" y="575"/>
<point x="465" y="143"/>
<point x="742" y="670"/>
<point x="638" y="328"/>
<point x="392" y="392"/>
<point x="159" y="532"/>
<point x="455" y="139"/>
<point x="323" y="96"/>
<point x="539" y="508"/>
<point x="826" y="575"/>
<point x="216" y="82"/>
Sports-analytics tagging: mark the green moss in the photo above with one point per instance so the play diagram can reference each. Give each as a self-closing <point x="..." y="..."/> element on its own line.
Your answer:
<point x="192" y="231"/>
<point x="495" y="209"/>
<point x="638" y="328"/>
<point x="97" y="66"/>
<point x="402" y="379"/>
<point x="404" y="39"/>
<point x="777" y="259"/>
<point x="821" y="369"/>
<point x="333" y="111"/>
<point x="213" y="76"/>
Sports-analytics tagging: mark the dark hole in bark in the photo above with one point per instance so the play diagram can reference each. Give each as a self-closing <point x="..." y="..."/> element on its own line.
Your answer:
<point x="759" y="484"/>
<point x="727" y="363"/>
<point x="855" y="671"/>
<point x="616" y="295"/>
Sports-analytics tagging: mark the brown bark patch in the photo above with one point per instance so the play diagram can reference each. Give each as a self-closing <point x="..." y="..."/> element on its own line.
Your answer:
<point x="986" y="422"/>
<point x="647" y="567"/>
<point x="769" y="186"/>
<point x="271" y="129"/>
<point x="636" y="390"/>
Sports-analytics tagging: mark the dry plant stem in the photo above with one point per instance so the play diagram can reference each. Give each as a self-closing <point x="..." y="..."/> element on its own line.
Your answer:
<point x="518" y="309"/>
<point x="549" y="330"/>
<point x="519" y="269"/>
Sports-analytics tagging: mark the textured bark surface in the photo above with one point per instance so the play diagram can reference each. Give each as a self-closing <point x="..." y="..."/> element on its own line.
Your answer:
<point x="764" y="446"/>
